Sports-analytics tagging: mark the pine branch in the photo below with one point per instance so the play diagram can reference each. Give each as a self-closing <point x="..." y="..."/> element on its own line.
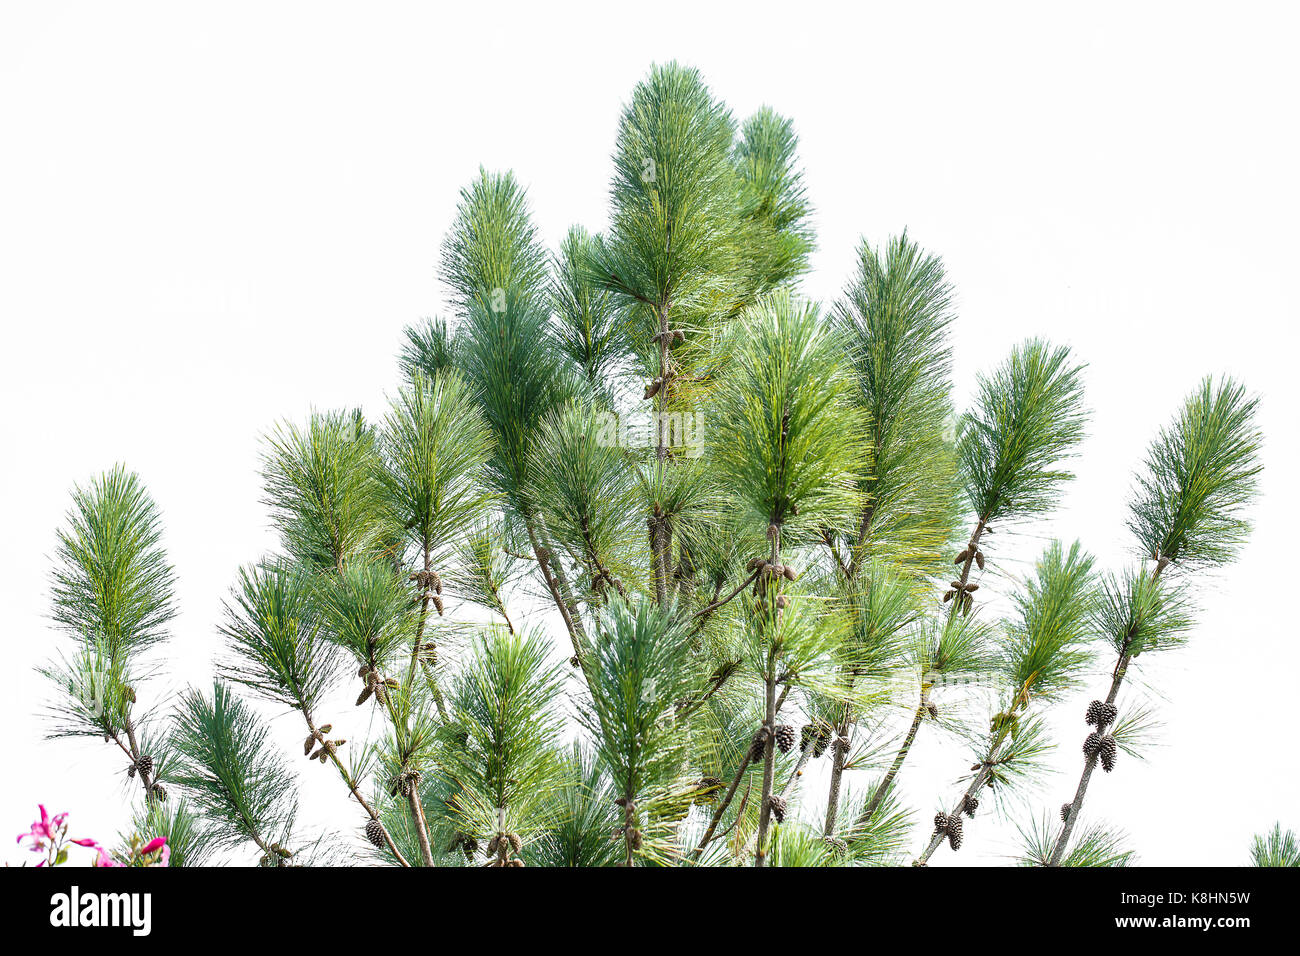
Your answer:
<point x="1200" y="475"/>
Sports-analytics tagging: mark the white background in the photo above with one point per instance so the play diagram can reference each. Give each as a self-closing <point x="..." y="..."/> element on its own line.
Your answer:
<point x="210" y="220"/>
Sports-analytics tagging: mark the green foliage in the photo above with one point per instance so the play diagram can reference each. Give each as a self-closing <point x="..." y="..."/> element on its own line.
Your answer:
<point x="322" y="486"/>
<point x="499" y="751"/>
<point x="112" y="588"/>
<point x="1094" y="845"/>
<point x="1200" y="473"/>
<point x="585" y="488"/>
<point x="435" y="444"/>
<point x="232" y="772"/>
<point x="784" y="441"/>
<point x="1028" y="416"/>
<point x="182" y="827"/>
<point x="584" y="815"/>
<point x="93" y="692"/>
<point x="483" y="566"/>
<point x="795" y="845"/>
<point x="797" y="646"/>
<point x="1275" y="848"/>
<point x="1046" y="645"/>
<point x="367" y="610"/>
<point x="273" y="629"/>
<point x="881" y="611"/>
<point x="590" y="328"/>
<point x="674" y="197"/>
<point x="1135" y="728"/>
<point x="638" y="671"/>
<point x="493" y="248"/>
<point x="496" y="268"/>
<point x="774" y="207"/>
<point x="1018" y="756"/>
<point x="429" y="350"/>
<point x="1137" y="613"/>
<point x="880" y="839"/>
<point x="112" y="591"/>
<point x="953" y="649"/>
<point x="894" y="318"/>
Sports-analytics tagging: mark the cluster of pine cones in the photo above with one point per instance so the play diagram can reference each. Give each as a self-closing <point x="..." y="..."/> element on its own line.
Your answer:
<point x="1099" y="743"/>
<point x="406" y="782"/>
<point x="431" y="584"/>
<point x="950" y="824"/>
<point x="143" y="766"/>
<point x="325" y="748"/>
<point x="769" y="573"/>
<point x="962" y="590"/>
<point x="276" y="856"/>
<point x="505" y="847"/>
<point x="817" y="736"/>
<point x="784" y="736"/>
<point x="375" y="684"/>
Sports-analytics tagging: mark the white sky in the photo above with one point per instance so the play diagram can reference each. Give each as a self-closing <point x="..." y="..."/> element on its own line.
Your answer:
<point x="209" y="221"/>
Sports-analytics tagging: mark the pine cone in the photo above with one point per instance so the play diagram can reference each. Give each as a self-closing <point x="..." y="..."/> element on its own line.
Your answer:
<point x="807" y="735"/>
<point x="940" y="822"/>
<point x="969" y="804"/>
<point x="375" y="833"/>
<point x="837" y="845"/>
<point x="1092" y="745"/>
<point x="822" y="742"/>
<point x="1107" y="751"/>
<point x="159" y="792"/>
<point x="306" y="747"/>
<point x="145" y="765"/>
<point x="785" y="737"/>
<point x="706" y="790"/>
<point x="759" y="745"/>
<point x="1065" y="811"/>
<point x="1101" y="713"/>
<point x="777" y="803"/>
<point x="979" y="559"/>
<point x="932" y="709"/>
<point x="954" y="831"/>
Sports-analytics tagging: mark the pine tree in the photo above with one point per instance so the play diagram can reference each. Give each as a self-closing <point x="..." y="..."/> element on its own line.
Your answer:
<point x="761" y="529"/>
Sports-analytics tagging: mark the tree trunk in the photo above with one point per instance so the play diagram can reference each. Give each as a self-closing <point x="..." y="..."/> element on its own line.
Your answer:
<point x="769" y="761"/>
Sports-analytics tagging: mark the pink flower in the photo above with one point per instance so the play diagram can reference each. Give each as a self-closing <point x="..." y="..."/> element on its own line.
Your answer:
<point x="102" y="858"/>
<point x="44" y="831"/>
<point x="156" y="845"/>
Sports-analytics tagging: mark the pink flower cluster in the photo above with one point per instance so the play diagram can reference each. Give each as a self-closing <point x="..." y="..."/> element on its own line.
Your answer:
<point x="47" y="836"/>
